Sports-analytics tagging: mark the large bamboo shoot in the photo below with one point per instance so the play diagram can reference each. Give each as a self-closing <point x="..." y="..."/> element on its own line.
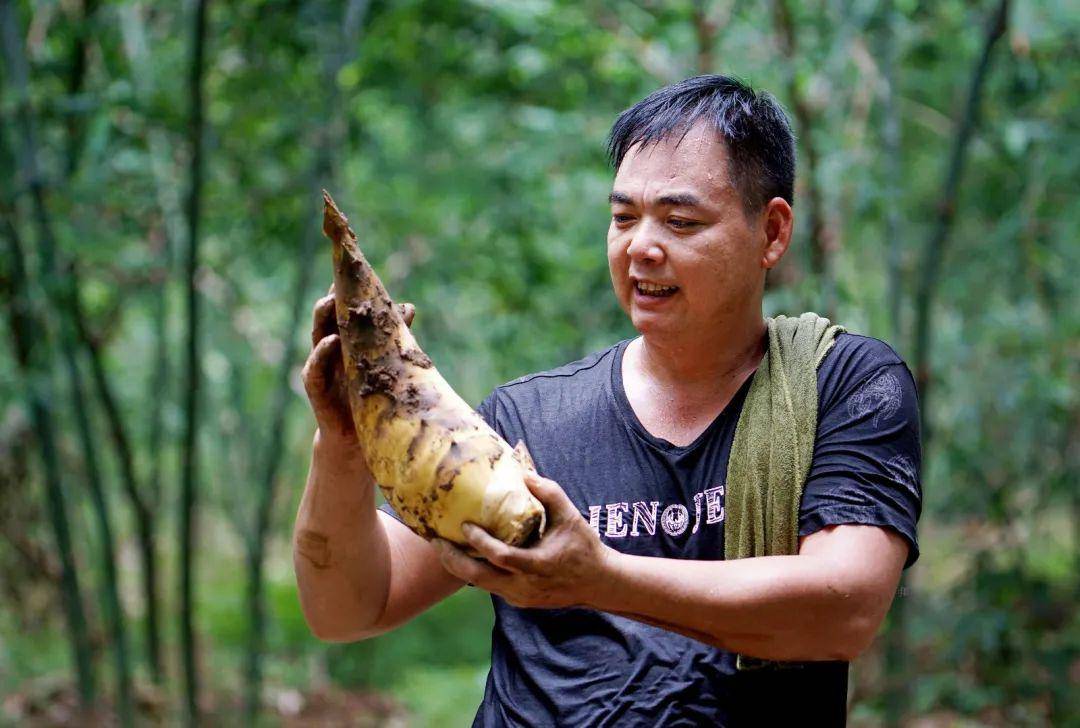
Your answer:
<point x="435" y="459"/>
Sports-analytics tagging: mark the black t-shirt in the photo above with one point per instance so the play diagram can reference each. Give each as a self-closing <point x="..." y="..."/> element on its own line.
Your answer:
<point x="646" y="496"/>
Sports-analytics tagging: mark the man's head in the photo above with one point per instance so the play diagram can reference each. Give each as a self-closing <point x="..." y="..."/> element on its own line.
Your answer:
<point x="704" y="183"/>
<point x="753" y="126"/>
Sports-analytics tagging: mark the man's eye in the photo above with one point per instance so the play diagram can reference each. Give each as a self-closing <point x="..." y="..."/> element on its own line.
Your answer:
<point x="680" y="224"/>
<point x="621" y="219"/>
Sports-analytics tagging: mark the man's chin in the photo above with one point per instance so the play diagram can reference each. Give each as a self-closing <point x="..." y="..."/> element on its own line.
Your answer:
<point x="652" y="324"/>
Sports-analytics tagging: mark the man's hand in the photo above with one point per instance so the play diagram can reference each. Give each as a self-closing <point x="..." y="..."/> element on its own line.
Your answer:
<point x="563" y="569"/>
<point x="324" y="378"/>
<point x="824" y="604"/>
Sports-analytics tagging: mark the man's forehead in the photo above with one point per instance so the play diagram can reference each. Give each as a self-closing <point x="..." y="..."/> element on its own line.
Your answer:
<point x="698" y="140"/>
<point x="694" y="164"/>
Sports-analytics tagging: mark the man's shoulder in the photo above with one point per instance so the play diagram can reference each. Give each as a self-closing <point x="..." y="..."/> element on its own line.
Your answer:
<point x="853" y="360"/>
<point x="588" y="371"/>
<point x="861" y="351"/>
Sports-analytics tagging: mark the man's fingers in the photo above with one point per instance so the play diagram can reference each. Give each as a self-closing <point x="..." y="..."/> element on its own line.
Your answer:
<point x="407" y="311"/>
<point x="505" y="557"/>
<point x="336" y="369"/>
<point x="323" y="319"/>
<point x="458" y="563"/>
<point x="551" y="496"/>
<point x="324" y="316"/>
<point x="320" y="366"/>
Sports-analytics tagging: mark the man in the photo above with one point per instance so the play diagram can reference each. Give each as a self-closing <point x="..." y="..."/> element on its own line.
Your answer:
<point x="626" y="612"/>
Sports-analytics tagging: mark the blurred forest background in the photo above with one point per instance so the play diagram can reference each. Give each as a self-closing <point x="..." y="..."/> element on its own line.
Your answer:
<point x="160" y="225"/>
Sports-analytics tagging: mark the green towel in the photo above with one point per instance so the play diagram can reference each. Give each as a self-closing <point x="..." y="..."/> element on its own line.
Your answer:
<point x="774" y="442"/>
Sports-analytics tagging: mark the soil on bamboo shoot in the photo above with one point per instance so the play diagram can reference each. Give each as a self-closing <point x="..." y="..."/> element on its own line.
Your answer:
<point x="435" y="459"/>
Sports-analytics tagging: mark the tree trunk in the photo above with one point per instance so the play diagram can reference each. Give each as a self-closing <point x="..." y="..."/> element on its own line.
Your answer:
<point x="355" y="13"/>
<point x="143" y="511"/>
<point x="933" y="254"/>
<point x="896" y="643"/>
<point x="189" y="451"/>
<point x="893" y="171"/>
<point x="705" y="32"/>
<point x="145" y="500"/>
<point x="76" y="77"/>
<point x="820" y="234"/>
<point x="59" y="290"/>
<point x="117" y="627"/>
<point x="934" y="251"/>
<point x="709" y="19"/>
<point x="267" y="484"/>
<point x="61" y="294"/>
<point x="144" y="514"/>
<point x="34" y="366"/>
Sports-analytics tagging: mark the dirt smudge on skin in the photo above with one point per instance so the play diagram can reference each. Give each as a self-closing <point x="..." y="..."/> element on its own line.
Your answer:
<point x="315" y="547"/>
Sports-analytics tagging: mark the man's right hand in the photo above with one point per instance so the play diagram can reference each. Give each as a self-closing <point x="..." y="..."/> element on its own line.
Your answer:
<point x="324" y="380"/>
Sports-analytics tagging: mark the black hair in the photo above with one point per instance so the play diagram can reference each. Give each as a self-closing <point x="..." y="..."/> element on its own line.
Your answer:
<point x="753" y="125"/>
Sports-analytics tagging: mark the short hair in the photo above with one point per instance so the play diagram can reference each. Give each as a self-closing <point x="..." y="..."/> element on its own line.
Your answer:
<point x="753" y="125"/>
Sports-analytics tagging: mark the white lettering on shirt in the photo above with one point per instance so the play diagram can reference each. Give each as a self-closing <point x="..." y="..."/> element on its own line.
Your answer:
<point x="697" y="512"/>
<point x="594" y="518"/>
<point x="714" y="509"/>
<point x="646" y="515"/>
<point x="637" y="519"/>
<point x="616" y="524"/>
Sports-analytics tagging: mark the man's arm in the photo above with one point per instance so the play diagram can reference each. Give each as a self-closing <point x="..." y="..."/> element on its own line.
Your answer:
<point x="360" y="573"/>
<point x="825" y="603"/>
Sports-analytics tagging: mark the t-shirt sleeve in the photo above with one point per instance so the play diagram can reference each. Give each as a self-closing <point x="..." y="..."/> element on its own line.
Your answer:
<point x="488" y="410"/>
<point x="867" y="456"/>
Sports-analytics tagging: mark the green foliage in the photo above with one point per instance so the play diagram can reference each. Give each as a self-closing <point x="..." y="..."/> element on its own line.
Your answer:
<point x="445" y="696"/>
<point x="453" y="634"/>
<point x="471" y="162"/>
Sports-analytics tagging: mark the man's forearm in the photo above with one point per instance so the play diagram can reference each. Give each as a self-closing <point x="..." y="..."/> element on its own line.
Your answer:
<point x="826" y="603"/>
<point x="340" y="550"/>
<point x="775" y="607"/>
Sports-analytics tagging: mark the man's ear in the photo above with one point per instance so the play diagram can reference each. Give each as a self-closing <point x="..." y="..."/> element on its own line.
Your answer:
<point x="779" y="221"/>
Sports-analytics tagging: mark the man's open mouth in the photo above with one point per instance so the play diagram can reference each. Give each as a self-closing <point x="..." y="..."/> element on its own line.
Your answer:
<point x="654" y="289"/>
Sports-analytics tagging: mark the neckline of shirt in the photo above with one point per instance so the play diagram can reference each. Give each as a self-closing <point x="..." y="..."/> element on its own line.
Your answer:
<point x="622" y="405"/>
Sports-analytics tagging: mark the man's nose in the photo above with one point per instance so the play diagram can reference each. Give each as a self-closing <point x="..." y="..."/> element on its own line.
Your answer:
<point x="645" y="244"/>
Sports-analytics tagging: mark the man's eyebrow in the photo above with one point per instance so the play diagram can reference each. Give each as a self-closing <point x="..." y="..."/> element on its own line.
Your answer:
<point x="677" y="199"/>
<point x="681" y="199"/>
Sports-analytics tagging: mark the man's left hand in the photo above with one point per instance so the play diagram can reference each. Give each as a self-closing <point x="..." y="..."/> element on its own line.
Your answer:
<point x="565" y="568"/>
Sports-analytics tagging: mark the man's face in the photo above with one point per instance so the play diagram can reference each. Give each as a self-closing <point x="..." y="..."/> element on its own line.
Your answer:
<point x="677" y="222"/>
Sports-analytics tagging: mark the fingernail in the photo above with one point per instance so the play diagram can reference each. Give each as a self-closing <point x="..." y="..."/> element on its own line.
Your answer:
<point x="467" y="528"/>
<point x="439" y="544"/>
